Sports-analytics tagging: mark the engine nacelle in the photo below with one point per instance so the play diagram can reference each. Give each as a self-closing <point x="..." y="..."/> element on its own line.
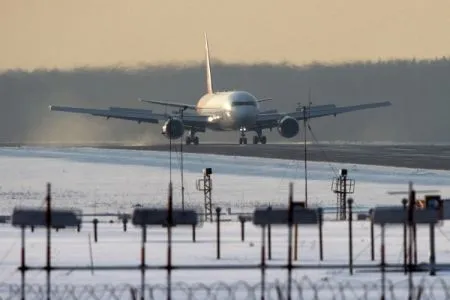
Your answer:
<point x="288" y="127"/>
<point x="173" y="128"/>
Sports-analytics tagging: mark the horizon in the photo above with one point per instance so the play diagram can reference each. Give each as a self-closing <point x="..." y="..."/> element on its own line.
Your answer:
<point x="220" y="63"/>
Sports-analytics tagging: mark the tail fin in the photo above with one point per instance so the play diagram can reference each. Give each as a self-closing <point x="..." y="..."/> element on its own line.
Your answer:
<point x="209" y="87"/>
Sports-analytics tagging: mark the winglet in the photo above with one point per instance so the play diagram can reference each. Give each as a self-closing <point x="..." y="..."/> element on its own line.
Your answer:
<point x="209" y="87"/>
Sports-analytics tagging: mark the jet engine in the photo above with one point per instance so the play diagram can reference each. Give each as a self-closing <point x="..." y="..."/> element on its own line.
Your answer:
<point x="173" y="128"/>
<point x="288" y="127"/>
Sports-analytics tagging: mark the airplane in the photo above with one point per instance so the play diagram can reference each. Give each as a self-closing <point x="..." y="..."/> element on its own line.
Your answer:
<point x="221" y="111"/>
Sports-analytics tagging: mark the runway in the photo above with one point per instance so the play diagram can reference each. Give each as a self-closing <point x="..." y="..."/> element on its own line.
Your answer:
<point x="410" y="156"/>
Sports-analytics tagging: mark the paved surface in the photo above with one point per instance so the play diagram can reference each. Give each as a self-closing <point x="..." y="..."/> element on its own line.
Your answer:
<point x="411" y="156"/>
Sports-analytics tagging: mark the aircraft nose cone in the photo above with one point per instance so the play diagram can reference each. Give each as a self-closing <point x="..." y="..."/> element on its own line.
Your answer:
<point x="244" y="116"/>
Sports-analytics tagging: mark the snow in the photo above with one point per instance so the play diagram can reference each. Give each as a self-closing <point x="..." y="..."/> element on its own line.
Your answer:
<point x="100" y="181"/>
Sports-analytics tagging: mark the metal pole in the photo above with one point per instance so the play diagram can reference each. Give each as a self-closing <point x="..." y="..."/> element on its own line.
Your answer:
<point x="210" y="197"/>
<point x="95" y="222"/>
<point x="345" y="197"/>
<point x="125" y="221"/>
<point x="350" y="236"/>
<point x="218" y="231"/>
<point x="22" y="267"/>
<point x="170" y="150"/>
<point x="242" y="229"/>
<point x="320" y="212"/>
<point x="412" y="198"/>
<point x="405" y="237"/>
<point x="432" y="251"/>
<point x="383" y="264"/>
<point x="49" y="225"/>
<point x="295" y="241"/>
<point x="263" y="261"/>
<point x="193" y="233"/>
<point x="372" y="240"/>
<point x="306" y="169"/>
<point x="269" y="238"/>
<point x="290" y="221"/>
<point x="144" y="229"/>
<point x="169" y="243"/>
<point x="181" y="156"/>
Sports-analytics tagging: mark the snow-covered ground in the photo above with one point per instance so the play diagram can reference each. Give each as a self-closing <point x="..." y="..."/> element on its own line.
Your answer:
<point x="114" y="180"/>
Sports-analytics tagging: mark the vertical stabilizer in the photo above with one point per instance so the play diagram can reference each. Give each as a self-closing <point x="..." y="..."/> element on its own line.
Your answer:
<point x="209" y="88"/>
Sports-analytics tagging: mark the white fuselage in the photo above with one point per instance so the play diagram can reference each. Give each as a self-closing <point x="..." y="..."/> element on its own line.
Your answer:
<point x="229" y="110"/>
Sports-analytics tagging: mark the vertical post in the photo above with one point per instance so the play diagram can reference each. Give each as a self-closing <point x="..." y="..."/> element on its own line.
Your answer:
<point x="95" y="222"/>
<point x="124" y="221"/>
<point x="169" y="243"/>
<point x="320" y="212"/>
<point x="210" y="197"/>
<point x="411" y="207"/>
<point x="372" y="239"/>
<point x="241" y="219"/>
<point x="218" y="231"/>
<point x="383" y="264"/>
<point x="170" y="149"/>
<point x="269" y="237"/>
<point x="144" y="229"/>
<point x="22" y="264"/>
<point x="290" y="221"/>
<point x="415" y="243"/>
<point x="405" y="237"/>
<point x="432" y="251"/>
<point x="181" y="158"/>
<point x="350" y="235"/>
<point x="345" y="196"/>
<point x="49" y="225"/>
<point x="295" y="241"/>
<point x="263" y="261"/>
<point x="306" y="169"/>
<point x="193" y="233"/>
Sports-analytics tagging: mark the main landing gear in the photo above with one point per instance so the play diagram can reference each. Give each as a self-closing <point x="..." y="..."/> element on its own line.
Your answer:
<point x="259" y="138"/>
<point x="192" y="138"/>
<point x="262" y="139"/>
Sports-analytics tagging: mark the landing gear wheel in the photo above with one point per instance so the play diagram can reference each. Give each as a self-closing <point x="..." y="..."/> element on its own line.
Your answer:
<point x="195" y="140"/>
<point x="255" y="139"/>
<point x="263" y="139"/>
<point x="242" y="140"/>
<point x="188" y="140"/>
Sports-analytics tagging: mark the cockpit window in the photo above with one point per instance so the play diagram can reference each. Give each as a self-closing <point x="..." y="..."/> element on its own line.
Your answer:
<point x="242" y="103"/>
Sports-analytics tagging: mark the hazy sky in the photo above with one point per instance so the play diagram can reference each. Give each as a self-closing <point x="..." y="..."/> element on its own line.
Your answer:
<point x="62" y="34"/>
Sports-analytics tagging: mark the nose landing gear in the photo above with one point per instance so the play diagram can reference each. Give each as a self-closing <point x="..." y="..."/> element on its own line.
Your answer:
<point x="242" y="138"/>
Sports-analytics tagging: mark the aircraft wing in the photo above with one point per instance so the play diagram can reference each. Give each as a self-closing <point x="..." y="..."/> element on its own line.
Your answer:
<point x="270" y="120"/>
<point x="333" y="111"/>
<point x="172" y="104"/>
<point x="138" y="115"/>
